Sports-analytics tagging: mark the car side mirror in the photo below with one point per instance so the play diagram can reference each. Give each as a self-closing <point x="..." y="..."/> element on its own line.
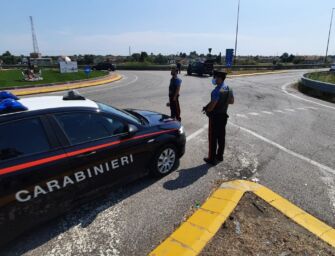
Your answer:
<point x="132" y="130"/>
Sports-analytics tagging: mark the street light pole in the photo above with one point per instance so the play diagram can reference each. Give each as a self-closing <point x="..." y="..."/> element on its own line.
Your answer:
<point x="238" y="16"/>
<point x="330" y="28"/>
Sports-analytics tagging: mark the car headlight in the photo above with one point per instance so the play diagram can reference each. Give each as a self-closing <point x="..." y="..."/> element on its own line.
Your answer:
<point x="181" y="130"/>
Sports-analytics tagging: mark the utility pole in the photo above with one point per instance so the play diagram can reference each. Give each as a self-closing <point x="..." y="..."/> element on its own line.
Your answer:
<point x="330" y="28"/>
<point x="129" y="51"/>
<point x="238" y="16"/>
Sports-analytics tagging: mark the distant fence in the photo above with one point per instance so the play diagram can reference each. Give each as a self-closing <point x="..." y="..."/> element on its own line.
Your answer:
<point x="237" y="67"/>
<point x="319" y="86"/>
<point x="168" y="67"/>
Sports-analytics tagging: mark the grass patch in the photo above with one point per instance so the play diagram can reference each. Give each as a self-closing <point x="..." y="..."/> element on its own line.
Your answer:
<point x="14" y="78"/>
<point x="328" y="77"/>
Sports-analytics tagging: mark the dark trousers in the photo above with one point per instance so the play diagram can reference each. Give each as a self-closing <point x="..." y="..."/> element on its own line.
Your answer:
<point x="216" y="136"/>
<point x="175" y="108"/>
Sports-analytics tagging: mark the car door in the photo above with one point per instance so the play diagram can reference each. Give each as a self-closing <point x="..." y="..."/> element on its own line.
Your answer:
<point x="30" y="157"/>
<point x="97" y="149"/>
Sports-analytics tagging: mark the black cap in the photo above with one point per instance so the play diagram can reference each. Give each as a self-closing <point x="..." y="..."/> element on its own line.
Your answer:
<point x="220" y="73"/>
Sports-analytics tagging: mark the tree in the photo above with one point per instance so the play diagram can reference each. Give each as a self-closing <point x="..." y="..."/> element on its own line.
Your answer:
<point x="143" y="56"/>
<point x="88" y="59"/>
<point x="9" y="59"/>
<point x="7" y="54"/>
<point x="160" y="59"/>
<point x="182" y="55"/>
<point x="193" y="54"/>
<point x="290" y="58"/>
<point x="284" y="57"/>
<point x="136" y="56"/>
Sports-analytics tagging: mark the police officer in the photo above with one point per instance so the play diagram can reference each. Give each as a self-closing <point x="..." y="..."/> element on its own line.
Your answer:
<point x="174" y="90"/>
<point x="216" y="110"/>
<point x="179" y="67"/>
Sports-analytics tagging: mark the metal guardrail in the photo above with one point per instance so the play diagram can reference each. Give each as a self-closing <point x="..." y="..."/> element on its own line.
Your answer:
<point x="236" y="67"/>
<point x="318" y="85"/>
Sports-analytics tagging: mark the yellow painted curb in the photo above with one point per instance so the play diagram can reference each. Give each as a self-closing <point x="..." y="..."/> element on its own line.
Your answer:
<point x="56" y="88"/>
<point x="193" y="235"/>
<point x="258" y="74"/>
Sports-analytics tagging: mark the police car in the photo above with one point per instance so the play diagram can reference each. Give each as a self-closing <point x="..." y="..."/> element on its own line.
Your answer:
<point x="56" y="152"/>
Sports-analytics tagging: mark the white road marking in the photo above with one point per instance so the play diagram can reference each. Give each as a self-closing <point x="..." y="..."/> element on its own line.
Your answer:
<point x="301" y="98"/>
<point x="302" y="108"/>
<point x="253" y="114"/>
<point x="267" y="112"/>
<point x="241" y="115"/>
<point x="196" y="133"/>
<point x="312" y="108"/>
<point x="286" y="150"/>
<point x="278" y="111"/>
<point x="290" y="109"/>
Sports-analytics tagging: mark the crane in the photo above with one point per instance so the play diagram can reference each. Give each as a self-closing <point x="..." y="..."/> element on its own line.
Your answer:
<point x="36" y="53"/>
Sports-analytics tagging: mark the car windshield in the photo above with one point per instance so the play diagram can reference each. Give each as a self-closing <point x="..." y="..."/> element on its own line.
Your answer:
<point x="119" y="112"/>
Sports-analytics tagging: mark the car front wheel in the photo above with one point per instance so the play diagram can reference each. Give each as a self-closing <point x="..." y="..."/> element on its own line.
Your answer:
<point x="165" y="161"/>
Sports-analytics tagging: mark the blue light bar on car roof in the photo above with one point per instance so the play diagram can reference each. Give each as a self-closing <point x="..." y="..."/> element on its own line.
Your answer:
<point x="7" y="95"/>
<point x="11" y="105"/>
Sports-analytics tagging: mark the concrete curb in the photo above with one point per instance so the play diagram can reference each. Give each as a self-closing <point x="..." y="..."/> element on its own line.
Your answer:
<point x="66" y="86"/>
<point x="258" y="74"/>
<point x="193" y="235"/>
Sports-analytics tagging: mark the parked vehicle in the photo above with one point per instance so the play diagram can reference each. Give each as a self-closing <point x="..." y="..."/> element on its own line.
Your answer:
<point x="332" y="68"/>
<point x="201" y="68"/>
<point x="58" y="152"/>
<point x="104" y="66"/>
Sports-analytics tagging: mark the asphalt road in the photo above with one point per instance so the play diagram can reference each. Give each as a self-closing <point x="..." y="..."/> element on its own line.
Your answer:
<point x="275" y="134"/>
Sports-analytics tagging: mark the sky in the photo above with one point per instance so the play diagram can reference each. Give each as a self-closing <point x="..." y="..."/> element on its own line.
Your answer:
<point x="266" y="27"/>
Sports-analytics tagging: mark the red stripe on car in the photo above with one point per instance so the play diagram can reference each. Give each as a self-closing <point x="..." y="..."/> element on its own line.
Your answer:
<point x="74" y="153"/>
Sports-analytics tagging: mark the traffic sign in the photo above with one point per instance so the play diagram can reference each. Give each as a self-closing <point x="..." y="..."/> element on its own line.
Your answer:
<point x="229" y="57"/>
<point x="87" y="70"/>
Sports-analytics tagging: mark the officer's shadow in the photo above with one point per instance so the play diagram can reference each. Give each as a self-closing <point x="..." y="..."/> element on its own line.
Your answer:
<point x="187" y="177"/>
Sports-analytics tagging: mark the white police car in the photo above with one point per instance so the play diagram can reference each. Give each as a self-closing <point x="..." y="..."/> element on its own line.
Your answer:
<point x="55" y="151"/>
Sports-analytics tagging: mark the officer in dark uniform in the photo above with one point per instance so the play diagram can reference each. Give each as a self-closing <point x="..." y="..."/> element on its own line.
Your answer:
<point x="174" y="89"/>
<point x="179" y="67"/>
<point x="216" y="110"/>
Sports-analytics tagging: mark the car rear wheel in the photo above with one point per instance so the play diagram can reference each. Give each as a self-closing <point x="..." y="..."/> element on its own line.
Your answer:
<point x="165" y="161"/>
<point x="189" y="72"/>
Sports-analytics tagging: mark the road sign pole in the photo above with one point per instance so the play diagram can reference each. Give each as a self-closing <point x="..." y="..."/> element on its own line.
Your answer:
<point x="330" y="28"/>
<point x="238" y="16"/>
